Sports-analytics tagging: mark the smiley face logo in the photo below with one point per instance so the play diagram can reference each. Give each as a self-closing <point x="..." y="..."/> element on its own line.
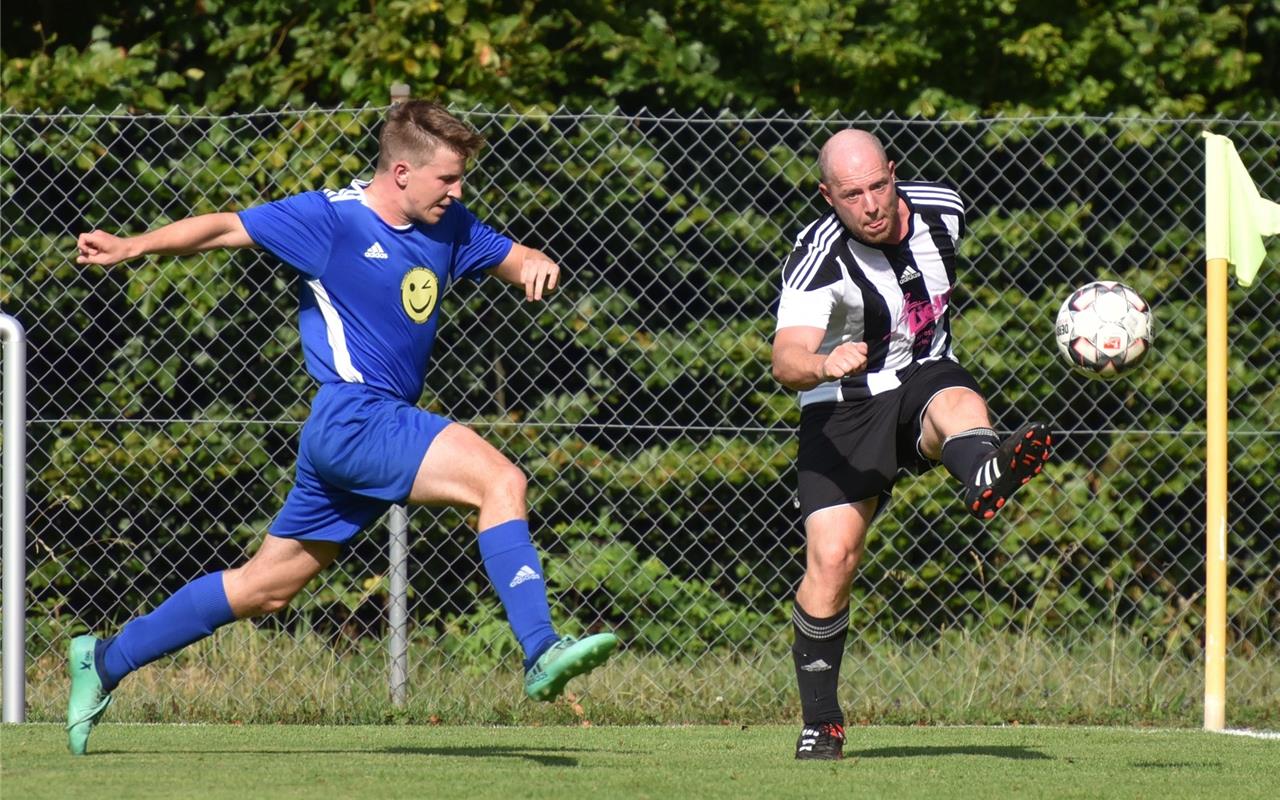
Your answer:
<point x="418" y="293"/>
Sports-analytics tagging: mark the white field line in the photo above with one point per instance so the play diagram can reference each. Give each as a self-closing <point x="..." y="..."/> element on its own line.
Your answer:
<point x="1251" y="734"/>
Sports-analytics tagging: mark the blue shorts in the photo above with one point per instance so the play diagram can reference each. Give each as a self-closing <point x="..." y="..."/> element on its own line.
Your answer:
<point x="359" y="453"/>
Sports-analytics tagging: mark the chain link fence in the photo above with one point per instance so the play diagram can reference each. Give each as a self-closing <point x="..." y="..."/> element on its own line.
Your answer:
<point x="166" y="399"/>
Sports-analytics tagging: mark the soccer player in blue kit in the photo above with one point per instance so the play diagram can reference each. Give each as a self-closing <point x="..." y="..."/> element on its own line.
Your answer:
<point x="373" y="261"/>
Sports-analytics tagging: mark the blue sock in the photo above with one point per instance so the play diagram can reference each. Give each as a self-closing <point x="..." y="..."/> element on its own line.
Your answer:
<point x="192" y="613"/>
<point x="512" y="565"/>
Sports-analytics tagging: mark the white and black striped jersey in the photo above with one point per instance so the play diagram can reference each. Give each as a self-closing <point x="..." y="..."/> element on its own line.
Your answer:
<point x="893" y="297"/>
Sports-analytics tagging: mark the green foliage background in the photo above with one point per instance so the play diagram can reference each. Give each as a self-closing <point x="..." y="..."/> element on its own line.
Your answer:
<point x="929" y="57"/>
<point x="639" y="400"/>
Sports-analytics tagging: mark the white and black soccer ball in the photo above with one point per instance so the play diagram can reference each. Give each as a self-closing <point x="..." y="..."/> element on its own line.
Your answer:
<point x="1104" y="329"/>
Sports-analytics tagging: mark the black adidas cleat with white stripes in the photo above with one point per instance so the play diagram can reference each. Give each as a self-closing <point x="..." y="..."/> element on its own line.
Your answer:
<point x="1018" y="459"/>
<point x="822" y="742"/>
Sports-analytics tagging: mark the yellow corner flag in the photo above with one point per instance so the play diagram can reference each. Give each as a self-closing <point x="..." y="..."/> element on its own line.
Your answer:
<point x="1236" y="216"/>
<point x="1236" y="219"/>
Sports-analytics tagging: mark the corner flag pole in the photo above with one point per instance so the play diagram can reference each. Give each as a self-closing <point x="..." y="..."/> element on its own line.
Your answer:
<point x="1236" y="218"/>
<point x="1215" y="568"/>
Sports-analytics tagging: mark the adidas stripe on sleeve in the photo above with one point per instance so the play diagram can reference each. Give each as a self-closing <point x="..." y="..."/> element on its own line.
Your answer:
<point x="811" y="279"/>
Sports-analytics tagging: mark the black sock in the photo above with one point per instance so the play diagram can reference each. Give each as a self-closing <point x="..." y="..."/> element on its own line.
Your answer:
<point x="962" y="452"/>
<point x="817" y="652"/>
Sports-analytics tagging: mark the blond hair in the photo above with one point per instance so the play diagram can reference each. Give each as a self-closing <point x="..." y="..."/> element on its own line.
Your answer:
<point x="415" y="128"/>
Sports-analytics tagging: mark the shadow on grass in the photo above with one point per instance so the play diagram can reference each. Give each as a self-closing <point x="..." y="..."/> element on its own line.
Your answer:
<point x="1016" y="753"/>
<point x="544" y="756"/>
<point x="547" y="757"/>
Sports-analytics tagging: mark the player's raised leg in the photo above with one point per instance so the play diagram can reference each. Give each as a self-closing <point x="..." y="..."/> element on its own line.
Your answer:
<point x="460" y="468"/>
<point x="834" y="542"/>
<point x="263" y="585"/>
<point x="956" y="429"/>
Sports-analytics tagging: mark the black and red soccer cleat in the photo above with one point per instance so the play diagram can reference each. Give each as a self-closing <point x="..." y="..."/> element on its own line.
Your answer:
<point x="823" y="742"/>
<point x="1018" y="459"/>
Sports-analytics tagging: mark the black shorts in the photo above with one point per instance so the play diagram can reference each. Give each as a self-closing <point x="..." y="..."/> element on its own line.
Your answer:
<point x="853" y="451"/>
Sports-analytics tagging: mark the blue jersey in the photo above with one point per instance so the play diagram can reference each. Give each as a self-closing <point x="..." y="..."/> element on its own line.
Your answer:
<point x="370" y="296"/>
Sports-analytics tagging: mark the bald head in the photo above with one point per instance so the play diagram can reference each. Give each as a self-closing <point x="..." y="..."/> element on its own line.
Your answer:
<point x="857" y="181"/>
<point x="850" y="148"/>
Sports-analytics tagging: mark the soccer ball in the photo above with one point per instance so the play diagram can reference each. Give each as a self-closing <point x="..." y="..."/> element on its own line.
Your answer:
<point x="1104" y="329"/>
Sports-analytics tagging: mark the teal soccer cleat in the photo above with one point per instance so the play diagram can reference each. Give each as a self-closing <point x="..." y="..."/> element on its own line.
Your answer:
<point x="567" y="658"/>
<point x="88" y="699"/>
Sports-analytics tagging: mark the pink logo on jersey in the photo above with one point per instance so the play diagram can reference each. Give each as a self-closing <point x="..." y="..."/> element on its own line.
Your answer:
<point x="921" y="314"/>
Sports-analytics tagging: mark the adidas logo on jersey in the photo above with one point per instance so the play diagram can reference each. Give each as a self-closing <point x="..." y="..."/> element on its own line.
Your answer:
<point x="523" y="574"/>
<point x="909" y="274"/>
<point x="375" y="251"/>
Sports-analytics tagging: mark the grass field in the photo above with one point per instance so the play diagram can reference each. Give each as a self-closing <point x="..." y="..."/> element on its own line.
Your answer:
<point x="270" y="761"/>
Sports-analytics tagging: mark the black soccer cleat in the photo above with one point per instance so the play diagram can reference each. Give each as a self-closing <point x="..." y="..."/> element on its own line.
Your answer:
<point x="1018" y="459"/>
<point x="821" y="742"/>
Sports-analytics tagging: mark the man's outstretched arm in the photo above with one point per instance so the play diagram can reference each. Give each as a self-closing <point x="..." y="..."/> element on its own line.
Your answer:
<point x="186" y="236"/>
<point x="529" y="268"/>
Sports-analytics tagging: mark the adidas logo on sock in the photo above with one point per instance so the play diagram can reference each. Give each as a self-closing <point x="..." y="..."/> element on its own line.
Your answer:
<point x="909" y="274"/>
<point x="375" y="251"/>
<point x="525" y="573"/>
<point x="816" y="666"/>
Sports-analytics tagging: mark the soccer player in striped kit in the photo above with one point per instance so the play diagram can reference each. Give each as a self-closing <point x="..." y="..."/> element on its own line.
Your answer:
<point x="864" y="335"/>
<point x="372" y="261"/>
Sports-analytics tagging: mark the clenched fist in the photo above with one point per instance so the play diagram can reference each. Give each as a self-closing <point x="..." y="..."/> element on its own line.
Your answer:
<point x="846" y="359"/>
<point x="100" y="247"/>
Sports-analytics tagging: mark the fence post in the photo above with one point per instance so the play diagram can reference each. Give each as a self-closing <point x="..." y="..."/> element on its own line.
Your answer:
<point x="398" y="605"/>
<point x="398" y="601"/>
<point x="15" y="518"/>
